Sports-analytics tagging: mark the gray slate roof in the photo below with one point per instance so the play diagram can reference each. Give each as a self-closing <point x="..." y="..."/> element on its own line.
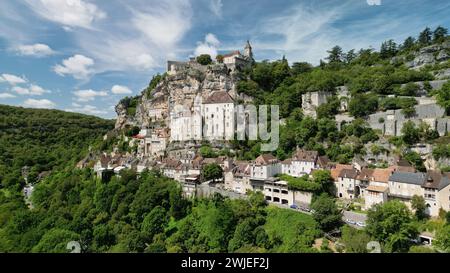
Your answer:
<point x="408" y="178"/>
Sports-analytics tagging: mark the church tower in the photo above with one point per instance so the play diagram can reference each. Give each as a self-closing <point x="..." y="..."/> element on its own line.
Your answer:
<point x="248" y="52"/>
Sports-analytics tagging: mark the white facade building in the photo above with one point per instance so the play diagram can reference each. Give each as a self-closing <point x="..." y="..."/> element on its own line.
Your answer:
<point x="265" y="167"/>
<point x="302" y="163"/>
<point x="218" y="113"/>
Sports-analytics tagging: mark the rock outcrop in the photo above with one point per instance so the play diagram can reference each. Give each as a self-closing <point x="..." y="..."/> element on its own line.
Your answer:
<point x="181" y="88"/>
<point x="429" y="55"/>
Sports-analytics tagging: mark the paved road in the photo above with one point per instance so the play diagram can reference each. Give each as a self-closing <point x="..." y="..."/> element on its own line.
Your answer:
<point x="354" y="217"/>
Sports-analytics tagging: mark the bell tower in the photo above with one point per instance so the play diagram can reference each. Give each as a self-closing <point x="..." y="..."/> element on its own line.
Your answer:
<point x="248" y="52"/>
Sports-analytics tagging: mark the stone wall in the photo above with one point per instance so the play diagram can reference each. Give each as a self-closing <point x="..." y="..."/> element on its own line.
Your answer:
<point x="391" y="122"/>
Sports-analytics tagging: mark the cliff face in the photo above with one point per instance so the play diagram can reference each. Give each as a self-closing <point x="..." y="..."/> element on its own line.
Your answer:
<point x="178" y="89"/>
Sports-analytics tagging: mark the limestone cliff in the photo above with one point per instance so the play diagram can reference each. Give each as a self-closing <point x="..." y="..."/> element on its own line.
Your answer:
<point x="180" y="88"/>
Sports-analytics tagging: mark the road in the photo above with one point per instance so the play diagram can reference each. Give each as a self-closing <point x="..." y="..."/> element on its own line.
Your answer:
<point x="348" y="216"/>
<point x="354" y="217"/>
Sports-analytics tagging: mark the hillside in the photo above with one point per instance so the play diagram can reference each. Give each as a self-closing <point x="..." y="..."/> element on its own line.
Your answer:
<point x="43" y="140"/>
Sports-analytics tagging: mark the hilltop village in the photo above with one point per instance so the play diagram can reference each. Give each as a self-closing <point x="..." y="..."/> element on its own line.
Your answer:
<point x="183" y="125"/>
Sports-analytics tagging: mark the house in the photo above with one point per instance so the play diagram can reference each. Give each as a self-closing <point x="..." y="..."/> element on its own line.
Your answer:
<point x="404" y="185"/>
<point x="302" y="163"/>
<point x="237" y="61"/>
<point x="218" y="114"/>
<point x="265" y="167"/>
<point x="346" y="184"/>
<point x="374" y="185"/>
<point x="433" y="186"/>
<point x="103" y="167"/>
<point x="156" y="142"/>
<point x="437" y="192"/>
<point x="238" y="178"/>
<point x="169" y="168"/>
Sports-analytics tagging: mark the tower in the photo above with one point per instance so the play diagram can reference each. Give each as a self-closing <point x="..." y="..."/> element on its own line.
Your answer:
<point x="248" y="51"/>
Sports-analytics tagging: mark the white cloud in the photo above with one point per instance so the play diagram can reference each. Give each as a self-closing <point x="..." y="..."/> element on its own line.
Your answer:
<point x="36" y="50"/>
<point x="44" y="103"/>
<point x="120" y="89"/>
<point x="89" y="95"/>
<point x="165" y="23"/>
<point x="33" y="90"/>
<point x="69" y="13"/>
<point x="374" y="2"/>
<point x="140" y="41"/>
<point x="6" y="96"/>
<point x="12" y="79"/>
<point x="21" y="90"/>
<point x="216" y="7"/>
<point x="87" y="109"/>
<point x="78" y="66"/>
<point x="208" y="46"/>
<point x="37" y="90"/>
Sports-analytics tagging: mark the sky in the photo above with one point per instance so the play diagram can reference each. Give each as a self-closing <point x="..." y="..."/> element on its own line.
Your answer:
<point x="85" y="55"/>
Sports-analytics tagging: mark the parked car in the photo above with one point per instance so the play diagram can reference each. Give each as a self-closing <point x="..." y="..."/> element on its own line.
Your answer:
<point x="361" y="224"/>
<point x="294" y="206"/>
<point x="351" y="222"/>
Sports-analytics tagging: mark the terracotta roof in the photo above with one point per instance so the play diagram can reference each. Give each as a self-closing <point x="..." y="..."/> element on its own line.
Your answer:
<point x="234" y="53"/>
<point x="287" y="161"/>
<point x="242" y="169"/>
<point x="337" y="170"/>
<point x="377" y="175"/>
<point x="219" y="97"/>
<point x="307" y="156"/>
<point x="377" y="188"/>
<point x="171" y="163"/>
<point x="266" y="159"/>
<point x="349" y="173"/>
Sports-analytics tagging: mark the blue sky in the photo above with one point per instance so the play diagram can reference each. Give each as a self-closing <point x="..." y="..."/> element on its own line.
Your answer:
<point x="85" y="55"/>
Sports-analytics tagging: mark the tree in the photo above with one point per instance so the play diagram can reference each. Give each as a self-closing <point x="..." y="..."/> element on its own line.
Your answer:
<point x="207" y="152"/>
<point x="350" y="56"/>
<point x="204" y="59"/>
<point x="336" y="55"/>
<point x="355" y="241"/>
<point x="219" y="58"/>
<point x="362" y="105"/>
<point x="154" y="222"/>
<point x="243" y="235"/>
<point x="388" y="49"/>
<point x="391" y="224"/>
<point x="326" y="213"/>
<point x="323" y="178"/>
<point x="408" y="43"/>
<point x="410" y="134"/>
<point x="439" y="34"/>
<point x="416" y="160"/>
<point x="300" y="68"/>
<point x="212" y="172"/>
<point x="55" y="241"/>
<point x="442" y="240"/>
<point x="443" y="97"/>
<point x="419" y="206"/>
<point x="425" y="36"/>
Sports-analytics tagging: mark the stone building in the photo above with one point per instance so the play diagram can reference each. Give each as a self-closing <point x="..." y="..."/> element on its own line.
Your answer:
<point x="312" y="100"/>
<point x="302" y="163"/>
<point x="218" y="114"/>
<point x="237" y="61"/>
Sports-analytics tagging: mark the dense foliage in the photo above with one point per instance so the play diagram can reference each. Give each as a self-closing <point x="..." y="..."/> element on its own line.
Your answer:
<point x="44" y="140"/>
